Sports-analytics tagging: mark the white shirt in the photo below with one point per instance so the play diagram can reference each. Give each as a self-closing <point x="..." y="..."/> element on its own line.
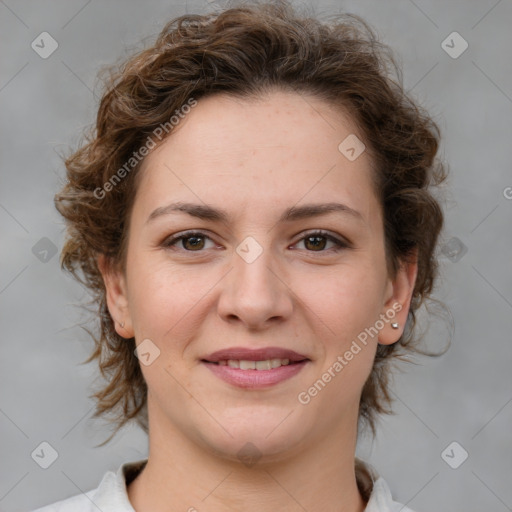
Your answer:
<point x="111" y="494"/>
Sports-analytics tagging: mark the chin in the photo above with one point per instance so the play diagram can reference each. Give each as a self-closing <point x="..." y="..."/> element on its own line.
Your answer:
<point x="256" y="436"/>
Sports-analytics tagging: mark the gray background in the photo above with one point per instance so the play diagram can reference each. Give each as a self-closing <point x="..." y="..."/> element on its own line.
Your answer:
<point x="464" y="396"/>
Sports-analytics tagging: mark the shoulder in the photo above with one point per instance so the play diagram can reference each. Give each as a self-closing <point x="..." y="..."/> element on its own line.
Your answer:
<point x="381" y="499"/>
<point x="78" y="503"/>
<point x="376" y="490"/>
<point x="110" y="496"/>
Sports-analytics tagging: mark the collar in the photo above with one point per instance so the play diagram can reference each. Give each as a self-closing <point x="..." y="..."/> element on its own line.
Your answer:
<point x="112" y="496"/>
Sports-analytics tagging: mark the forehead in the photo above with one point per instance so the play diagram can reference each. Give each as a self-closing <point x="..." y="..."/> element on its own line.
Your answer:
<point x="223" y="126"/>
<point x="283" y="146"/>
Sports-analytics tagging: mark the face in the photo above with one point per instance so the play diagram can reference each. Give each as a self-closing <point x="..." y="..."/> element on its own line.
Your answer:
<point x="252" y="231"/>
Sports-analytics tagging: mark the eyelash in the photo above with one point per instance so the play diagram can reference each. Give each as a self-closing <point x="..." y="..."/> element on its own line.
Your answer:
<point x="340" y="244"/>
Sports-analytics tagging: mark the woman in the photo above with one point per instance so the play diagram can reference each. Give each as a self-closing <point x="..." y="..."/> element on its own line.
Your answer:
<point x="253" y="214"/>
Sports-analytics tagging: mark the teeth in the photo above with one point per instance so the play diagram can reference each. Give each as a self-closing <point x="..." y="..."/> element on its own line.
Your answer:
<point x="255" y="365"/>
<point x="263" y="365"/>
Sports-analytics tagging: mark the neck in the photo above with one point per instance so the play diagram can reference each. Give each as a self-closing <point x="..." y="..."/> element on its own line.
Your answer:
<point x="188" y="477"/>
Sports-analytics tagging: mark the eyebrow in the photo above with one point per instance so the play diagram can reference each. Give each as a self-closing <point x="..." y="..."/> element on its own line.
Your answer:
<point x="206" y="212"/>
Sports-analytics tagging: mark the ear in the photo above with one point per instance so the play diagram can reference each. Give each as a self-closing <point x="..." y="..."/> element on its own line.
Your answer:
<point x="398" y="299"/>
<point x="117" y="300"/>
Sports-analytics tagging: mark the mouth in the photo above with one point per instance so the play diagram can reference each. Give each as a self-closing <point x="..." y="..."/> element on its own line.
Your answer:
<point x="246" y="364"/>
<point x="259" y="368"/>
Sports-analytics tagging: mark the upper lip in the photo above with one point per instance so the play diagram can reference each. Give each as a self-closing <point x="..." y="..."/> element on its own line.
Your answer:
<point x="260" y="354"/>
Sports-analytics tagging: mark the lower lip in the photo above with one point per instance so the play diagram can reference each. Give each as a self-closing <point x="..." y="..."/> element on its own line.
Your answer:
<point x="255" y="378"/>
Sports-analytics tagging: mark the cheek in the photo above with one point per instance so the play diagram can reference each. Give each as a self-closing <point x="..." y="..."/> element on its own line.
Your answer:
<point x="344" y="300"/>
<point x="165" y="300"/>
<point x="344" y="304"/>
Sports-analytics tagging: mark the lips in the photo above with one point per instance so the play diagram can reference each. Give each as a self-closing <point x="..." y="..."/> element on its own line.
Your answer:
<point x="255" y="368"/>
<point x="261" y="354"/>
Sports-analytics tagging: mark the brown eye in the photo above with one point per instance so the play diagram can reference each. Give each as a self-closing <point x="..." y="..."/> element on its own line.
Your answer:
<point x="315" y="243"/>
<point x="323" y="242"/>
<point x="193" y="243"/>
<point x="189" y="242"/>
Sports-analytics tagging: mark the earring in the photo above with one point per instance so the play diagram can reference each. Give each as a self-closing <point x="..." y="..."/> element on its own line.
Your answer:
<point x="122" y="325"/>
<point x="394" y="325"/>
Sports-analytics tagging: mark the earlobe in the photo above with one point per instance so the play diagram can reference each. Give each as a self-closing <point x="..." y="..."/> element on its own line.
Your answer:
<point x="396" y="307"/>
<point x="116" y="297"/>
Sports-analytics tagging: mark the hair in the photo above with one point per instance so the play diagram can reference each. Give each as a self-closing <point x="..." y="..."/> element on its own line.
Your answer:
<point x="245" y="51"/>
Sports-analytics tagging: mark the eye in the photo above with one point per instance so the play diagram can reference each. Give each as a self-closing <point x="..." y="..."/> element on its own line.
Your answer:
<point x="191" y="241"/>
<point x="318" y="241"/>
<point x="196" y="241"/>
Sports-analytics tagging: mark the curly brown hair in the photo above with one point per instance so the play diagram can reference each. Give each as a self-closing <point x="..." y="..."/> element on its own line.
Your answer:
<point x="244" y="51"/>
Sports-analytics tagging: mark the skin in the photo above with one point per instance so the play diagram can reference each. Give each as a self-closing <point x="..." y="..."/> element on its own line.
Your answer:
<point x="254" y="158"/>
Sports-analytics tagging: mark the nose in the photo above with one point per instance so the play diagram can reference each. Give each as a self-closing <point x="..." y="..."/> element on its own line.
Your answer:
<point x="255" y="294"/>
